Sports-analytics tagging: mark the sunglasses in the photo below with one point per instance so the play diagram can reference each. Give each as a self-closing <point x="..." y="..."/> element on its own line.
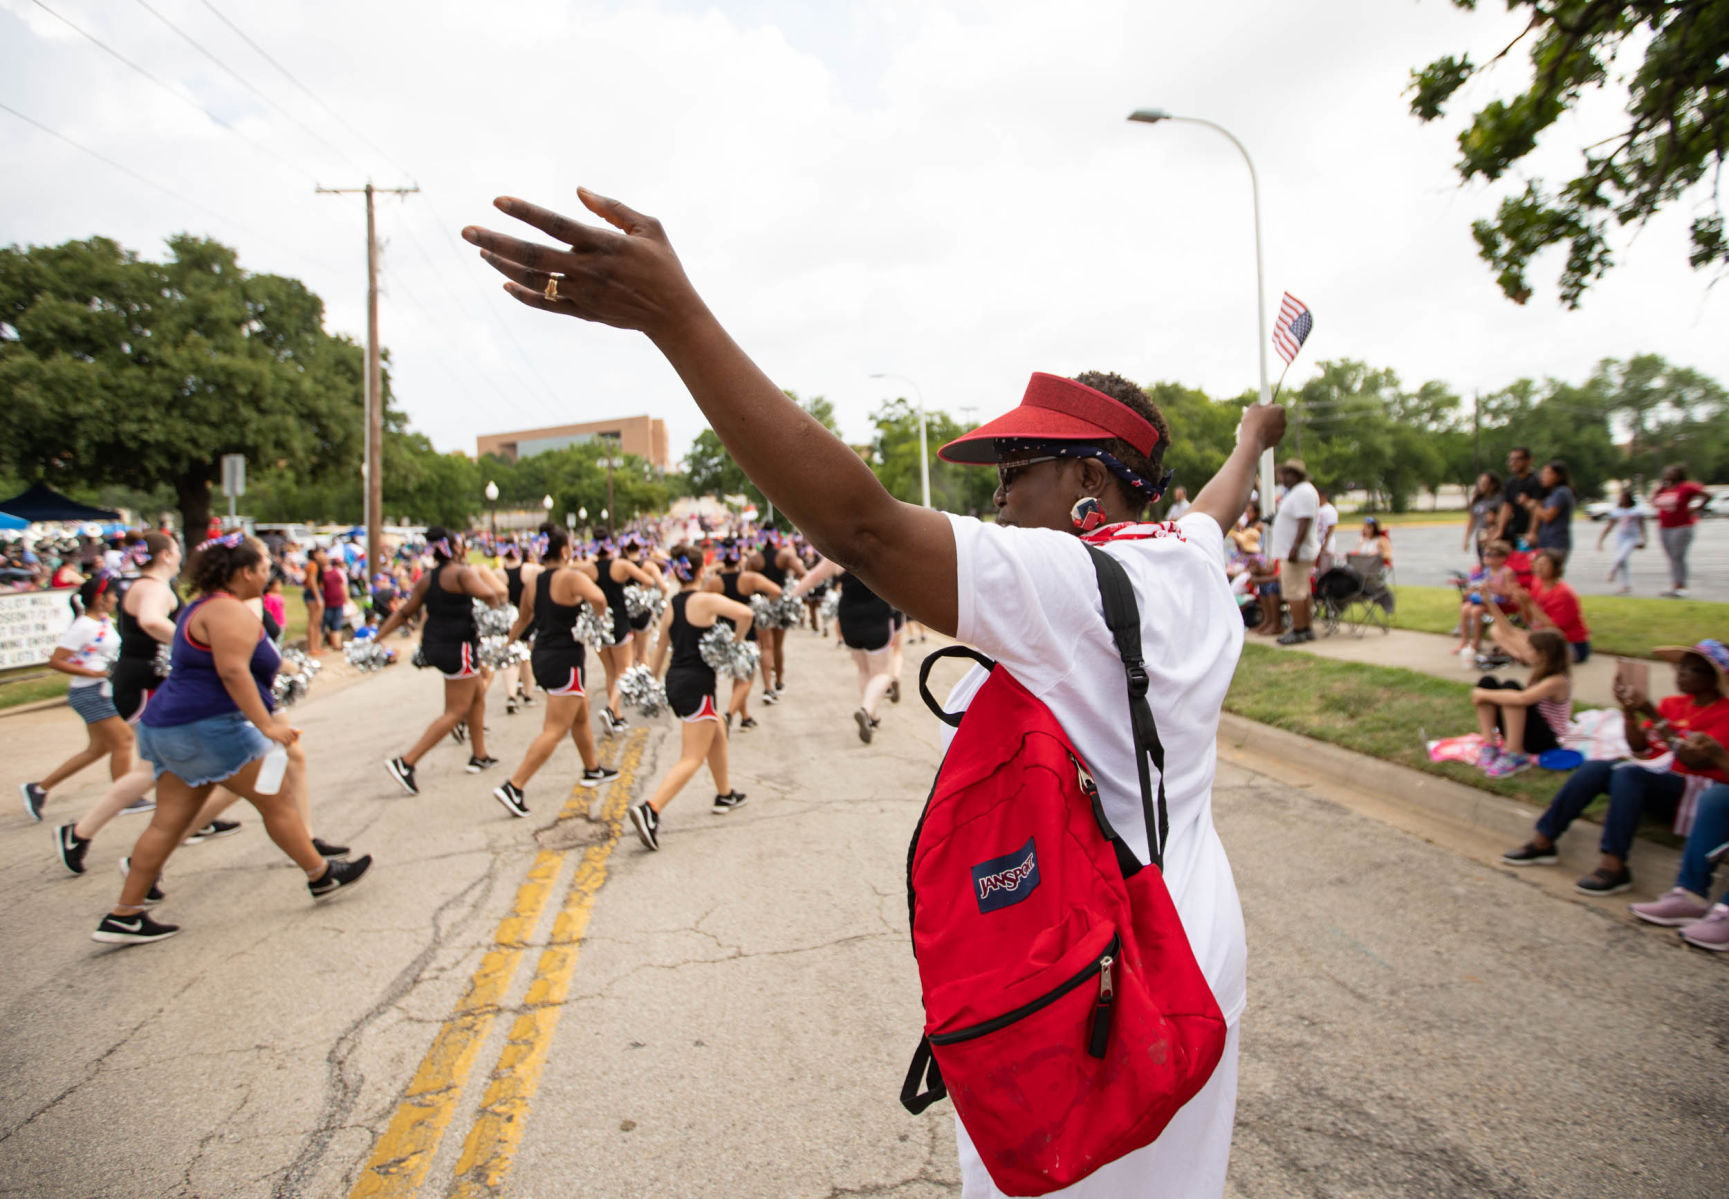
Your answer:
<point x="1008" y="472"/>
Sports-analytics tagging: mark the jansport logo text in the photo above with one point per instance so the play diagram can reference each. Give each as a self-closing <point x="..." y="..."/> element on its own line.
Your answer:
<point x="1007" y="879"/>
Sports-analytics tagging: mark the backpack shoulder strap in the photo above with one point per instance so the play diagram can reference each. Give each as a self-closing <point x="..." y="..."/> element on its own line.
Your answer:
<point x="1123" y="618"/>
<point x="952" y="719"/>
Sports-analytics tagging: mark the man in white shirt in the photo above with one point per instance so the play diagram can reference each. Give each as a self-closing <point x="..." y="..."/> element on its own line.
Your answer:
<point x="1328" y="520"/>
<point x="1179" y="504"/>
<point x="1296" y="542"/>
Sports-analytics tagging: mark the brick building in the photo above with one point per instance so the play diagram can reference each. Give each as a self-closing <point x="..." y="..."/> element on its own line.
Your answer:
<point x="644" y="436"/>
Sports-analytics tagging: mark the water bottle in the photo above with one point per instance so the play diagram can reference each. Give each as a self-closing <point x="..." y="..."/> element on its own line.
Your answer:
<point x="275" y="766"/>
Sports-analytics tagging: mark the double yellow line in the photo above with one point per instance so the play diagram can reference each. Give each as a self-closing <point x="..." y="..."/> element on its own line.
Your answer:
<point x="405" y="1152"/>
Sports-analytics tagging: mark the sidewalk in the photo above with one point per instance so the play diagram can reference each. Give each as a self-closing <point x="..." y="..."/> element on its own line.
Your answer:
<point x="1433" y="654"/>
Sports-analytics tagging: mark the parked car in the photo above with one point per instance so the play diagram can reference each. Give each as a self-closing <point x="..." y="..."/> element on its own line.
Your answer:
<point x="1719" y="505"/>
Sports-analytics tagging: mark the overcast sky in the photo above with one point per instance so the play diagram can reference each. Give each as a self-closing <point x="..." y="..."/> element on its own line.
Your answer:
<point x="944" y="191"/>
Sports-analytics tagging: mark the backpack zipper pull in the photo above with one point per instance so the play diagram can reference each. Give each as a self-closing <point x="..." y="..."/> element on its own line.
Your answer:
<point x="1099" y="1030"/>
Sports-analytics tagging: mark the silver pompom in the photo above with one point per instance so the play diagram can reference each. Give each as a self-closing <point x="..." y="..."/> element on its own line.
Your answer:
<point x="419" y="661"/>
<point x="497" y="651"/>
<point x="493" y="622"/>
<point x="830" y="609"/>
<point x="640" y="600"/>
<point x="591" y="630"/>
<point x="367" y="655"/>
<point x="641" y="690"/>
<point x="789" y="611"/>
<point x="290" y="688"/>
<point x="164" y="660"/>
<point x="727" y="656"/>
<point x="780" y="613"/>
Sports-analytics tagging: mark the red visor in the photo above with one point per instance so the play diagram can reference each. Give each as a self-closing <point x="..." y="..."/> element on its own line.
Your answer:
<point x="1055" y="409"/>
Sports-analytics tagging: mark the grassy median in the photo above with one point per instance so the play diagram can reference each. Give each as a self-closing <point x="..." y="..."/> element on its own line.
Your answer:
<point x="1624" y="625"/>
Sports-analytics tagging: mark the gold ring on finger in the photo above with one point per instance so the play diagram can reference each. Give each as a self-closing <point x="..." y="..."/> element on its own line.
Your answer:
<point x="552" y="287"/>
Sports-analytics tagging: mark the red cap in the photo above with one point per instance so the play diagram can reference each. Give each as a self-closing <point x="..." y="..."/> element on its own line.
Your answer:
<point x="1055" y="409"/>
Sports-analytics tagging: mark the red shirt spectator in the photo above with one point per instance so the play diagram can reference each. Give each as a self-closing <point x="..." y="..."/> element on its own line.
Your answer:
<point x="1675" y="504"/>
<point x="1559" y="603"/>
<point x="1684" y="715"/>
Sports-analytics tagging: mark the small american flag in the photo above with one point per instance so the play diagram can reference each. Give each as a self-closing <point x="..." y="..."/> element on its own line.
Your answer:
<point x="1292" y="328"/>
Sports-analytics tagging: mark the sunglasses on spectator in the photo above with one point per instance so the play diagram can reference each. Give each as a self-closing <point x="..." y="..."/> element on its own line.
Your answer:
<point x="1008" y="472"/>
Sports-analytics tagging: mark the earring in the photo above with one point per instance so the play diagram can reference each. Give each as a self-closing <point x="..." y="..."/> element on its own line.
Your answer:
<point x="1087" y="514"/>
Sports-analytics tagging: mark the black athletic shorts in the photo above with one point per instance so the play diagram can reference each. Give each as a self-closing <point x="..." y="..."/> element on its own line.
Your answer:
<point x="620" y="625"/>
<point x="453" y="659"/>
<point x="559" y="673"/>
<point x="867" y="631"/>
<point x="690" y="694"/>
<point x="134" y="681"/>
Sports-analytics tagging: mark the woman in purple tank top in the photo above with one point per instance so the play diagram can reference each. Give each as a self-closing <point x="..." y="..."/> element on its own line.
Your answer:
<point x="211" y="722"/>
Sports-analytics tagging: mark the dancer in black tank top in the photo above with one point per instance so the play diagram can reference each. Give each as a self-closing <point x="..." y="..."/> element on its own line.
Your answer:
<point x="613" y="574"/>
<point x="451" y="644"/>
<point x="867" y="627"/>
<point x="690" y="691"/>
<point x="778" y="561"/>
<point x="739" y="585"/>
<point x="636" y="551"/>
<point x="510" y="576"/>
<point x="550" y="601"/>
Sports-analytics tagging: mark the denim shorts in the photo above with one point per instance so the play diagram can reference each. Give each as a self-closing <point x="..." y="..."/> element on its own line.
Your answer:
<point x="93" y="703"/>
<point x="205" y="751"/>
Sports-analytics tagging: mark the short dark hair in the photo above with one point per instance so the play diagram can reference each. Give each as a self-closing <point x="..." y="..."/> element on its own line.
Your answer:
<point x="1150" y="467"/>
<point x="1521" y="449"/>
<point x="217" y="562"/>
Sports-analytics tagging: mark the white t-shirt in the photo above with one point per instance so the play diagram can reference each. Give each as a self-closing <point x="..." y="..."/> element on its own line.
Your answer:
<point x="1029" y="598"/>
<point x="1300" y="501"/>
<point x="1328" y="521"/>
<point x="95" y="644"/>
<point x="1178" y="510"/>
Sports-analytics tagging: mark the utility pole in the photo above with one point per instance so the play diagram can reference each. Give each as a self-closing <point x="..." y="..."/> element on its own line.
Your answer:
<point x="372" y="489"/>
<point x="1476" y="436"/>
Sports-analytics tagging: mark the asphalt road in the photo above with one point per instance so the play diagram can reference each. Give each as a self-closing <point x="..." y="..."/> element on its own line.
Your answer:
<point x="1424" y="555"/>
<point x="542" y="1008"/>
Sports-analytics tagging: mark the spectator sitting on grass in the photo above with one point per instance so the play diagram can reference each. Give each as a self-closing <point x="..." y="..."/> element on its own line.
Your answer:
<point x="1375" y="541"/>
<point x="1493" y="588"/>
<point x="1686" y="908"/>
<point x="1507" y="708"/>
<point x="1702" y="678"/>
<point x="1550" y="604"/>
<point x="1246" y="537"/>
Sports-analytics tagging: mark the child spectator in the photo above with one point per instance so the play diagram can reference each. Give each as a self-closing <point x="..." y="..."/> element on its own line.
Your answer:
<point x="1376" y="541"/>
<point x="1492" y="591"/>
<point x="1506" y="708"/>
<point x="1702" y="678"/>
<point x="1629" y="529"/>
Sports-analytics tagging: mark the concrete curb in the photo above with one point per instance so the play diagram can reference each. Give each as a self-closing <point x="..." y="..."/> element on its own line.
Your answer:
<point x="1276" y="750"/>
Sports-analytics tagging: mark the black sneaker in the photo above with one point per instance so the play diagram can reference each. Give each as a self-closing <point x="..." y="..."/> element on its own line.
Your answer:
<point x="647" y="822"/>
<point x="747" y="722"/>
<point x="326" y="849"/>
<point x="155" y="894"/>
<point x="135" y="929"/>
<point x="509" y="706"/>
<point x="403" y="773"/>
<point x="1605" y="882"/>
<point x="459" y="734"/>
<point x="779" y="686"/>
<point x="620" y="721"/>
<point x="71" y="847"/>
<point x="476" y="765"/>
<point x="510" y="795"/>
<point x="865" y="724"/>
<point x="337" y="875"/>
<point x="1529" y="855"/>
<point x="597" y="776"/>
<point x="769" y="697"/>
<point x="727" y="802"/>
<point x="895" y="692"/>
<point x="524" y="698"/>
<point x="213" y="830"/>
<point x="34" y="798"/>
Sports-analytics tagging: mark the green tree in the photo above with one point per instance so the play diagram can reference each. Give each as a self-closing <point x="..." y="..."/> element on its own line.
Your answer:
<point x="115" y="370"/>
<point x="1203" y="432"/>
<point x="1676" y="131"/>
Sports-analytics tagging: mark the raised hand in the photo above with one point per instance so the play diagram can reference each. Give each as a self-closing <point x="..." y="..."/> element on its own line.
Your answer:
<point x="626" y="276"/>
<point x="1263" y="426"/>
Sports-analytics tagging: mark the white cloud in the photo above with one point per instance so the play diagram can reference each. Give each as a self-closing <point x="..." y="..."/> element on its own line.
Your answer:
<point x="946" y="191"/>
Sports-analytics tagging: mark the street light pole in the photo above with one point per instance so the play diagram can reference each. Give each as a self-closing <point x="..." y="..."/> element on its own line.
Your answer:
<point x="924" y="454"/>
<point x="1152" y="116"/>
<point x="492" y="507"/>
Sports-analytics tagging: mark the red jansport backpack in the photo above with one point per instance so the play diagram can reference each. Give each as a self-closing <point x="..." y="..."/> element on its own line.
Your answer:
<point x="1065" y="1014"/>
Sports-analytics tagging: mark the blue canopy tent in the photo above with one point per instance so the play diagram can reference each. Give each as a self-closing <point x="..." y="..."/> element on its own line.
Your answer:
<point x="8" y="521"/>
<point x="41" y="502"/>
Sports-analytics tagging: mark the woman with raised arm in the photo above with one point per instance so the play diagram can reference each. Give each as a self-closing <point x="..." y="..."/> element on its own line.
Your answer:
<point x="212" y="721"/>
<point x="451" y="645"/>
<point x="550" y="601"/>
<point x="1077" y="458"/>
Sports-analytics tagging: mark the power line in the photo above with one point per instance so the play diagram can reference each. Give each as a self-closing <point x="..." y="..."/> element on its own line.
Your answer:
<point x="252" y="87"/>
<point x="151" y="183"/>
<point x="288" y="75"/>
<point x="101" y="45"/>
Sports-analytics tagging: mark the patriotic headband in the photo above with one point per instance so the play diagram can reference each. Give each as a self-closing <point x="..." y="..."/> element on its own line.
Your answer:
<point x="1011" y="451"/>
<point x="443" y="543"/>
<point x="681" y="566"/>
<point x="228" y="540"/>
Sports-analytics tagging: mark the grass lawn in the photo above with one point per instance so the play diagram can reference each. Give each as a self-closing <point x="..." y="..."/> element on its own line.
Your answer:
<point x="1625" y="625"/>
<point x="1385" y="712"/>
<point x="28" y="684"/>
